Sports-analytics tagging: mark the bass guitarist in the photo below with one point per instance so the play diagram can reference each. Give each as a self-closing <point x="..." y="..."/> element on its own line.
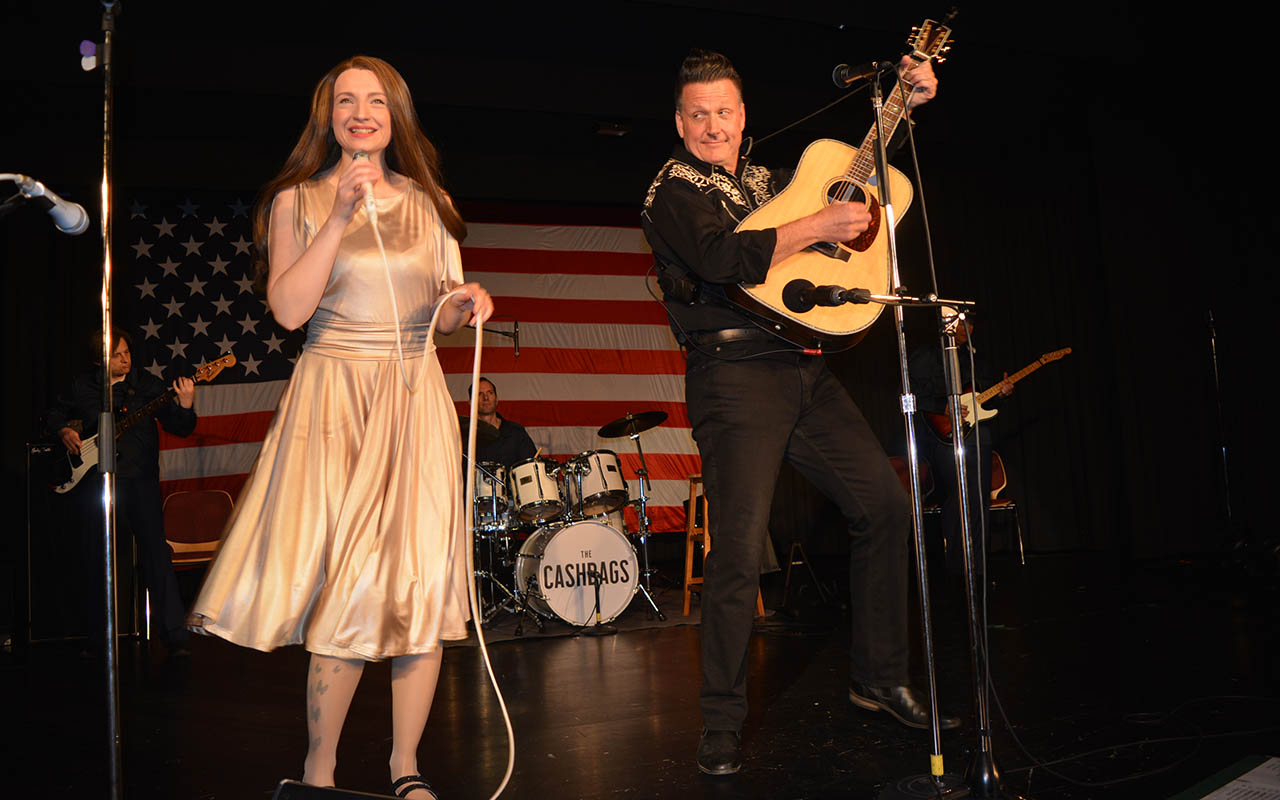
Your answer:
<point x="138" y="500"/>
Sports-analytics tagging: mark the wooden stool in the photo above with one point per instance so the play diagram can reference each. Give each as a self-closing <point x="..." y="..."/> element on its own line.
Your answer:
<point x="700" y="534"/>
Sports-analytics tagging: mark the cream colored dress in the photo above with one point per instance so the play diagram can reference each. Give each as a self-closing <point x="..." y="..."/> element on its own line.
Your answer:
<point x="348" y="536"/>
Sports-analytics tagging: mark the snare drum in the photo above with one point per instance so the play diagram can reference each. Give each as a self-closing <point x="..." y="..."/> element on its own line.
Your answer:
<point x="490" y="493"/>
<point x="595" y="483"/>
<point x="535" y="491"/>
<point x="557" y="567"/>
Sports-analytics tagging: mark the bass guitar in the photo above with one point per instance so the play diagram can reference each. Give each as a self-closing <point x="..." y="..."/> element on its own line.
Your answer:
<point x="88" y="458"/>
<point x="832" y="171"/>
<point x="941" y="423"/>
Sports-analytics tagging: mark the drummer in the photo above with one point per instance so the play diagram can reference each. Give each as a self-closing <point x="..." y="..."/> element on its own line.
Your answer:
<point x="513" y="443"/>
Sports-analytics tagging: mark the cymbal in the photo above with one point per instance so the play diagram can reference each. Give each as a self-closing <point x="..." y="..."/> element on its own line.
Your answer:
<point x="631" y="424"/>
<point x="485" y="433"/>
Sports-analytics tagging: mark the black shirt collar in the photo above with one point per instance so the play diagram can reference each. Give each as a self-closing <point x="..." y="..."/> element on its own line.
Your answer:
<point x="682" y="154"/>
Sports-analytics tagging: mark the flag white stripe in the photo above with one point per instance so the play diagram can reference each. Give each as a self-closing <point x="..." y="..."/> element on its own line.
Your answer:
<point x="569" y="336"/>
<point x="597" y="238"/>
<point x="563" y="287"/>
<point x="556" y="387"/>
<point x="238" y="398"/>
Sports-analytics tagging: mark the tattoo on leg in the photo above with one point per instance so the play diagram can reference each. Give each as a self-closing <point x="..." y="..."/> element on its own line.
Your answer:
<point x="321" y="688"/>
<point x="337" y="668"/>
<point x="315" y="744"/>
<point x="315" y="713"/>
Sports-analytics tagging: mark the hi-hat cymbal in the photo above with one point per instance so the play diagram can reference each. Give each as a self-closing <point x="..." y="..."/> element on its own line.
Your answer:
<point x="632" y="424"/>
<point x="485" y="433"/>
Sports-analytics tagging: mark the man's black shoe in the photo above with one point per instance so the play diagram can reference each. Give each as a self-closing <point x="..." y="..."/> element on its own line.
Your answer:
<point x="719" y="752"/>
<point x="901" y="702"/>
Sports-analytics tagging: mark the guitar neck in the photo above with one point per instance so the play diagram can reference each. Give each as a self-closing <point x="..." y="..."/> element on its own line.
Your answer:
<point x="145" y="412"/>
<point x="895" y="108"/>
<point x="1014" y="378"/>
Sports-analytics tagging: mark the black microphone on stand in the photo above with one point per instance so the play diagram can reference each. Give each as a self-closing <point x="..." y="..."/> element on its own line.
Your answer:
<point x="515" y="337"/>
<point x="845" y="75"/>
<point x="801" y="295"/>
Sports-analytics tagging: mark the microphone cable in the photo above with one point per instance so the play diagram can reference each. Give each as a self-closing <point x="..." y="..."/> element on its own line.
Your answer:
<point x="427" y="348"/>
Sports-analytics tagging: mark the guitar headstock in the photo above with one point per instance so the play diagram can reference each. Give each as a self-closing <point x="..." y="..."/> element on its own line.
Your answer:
<point x="1055" y="355"/>
<point x="209" y="371"/>
<point x="930" y="41"/>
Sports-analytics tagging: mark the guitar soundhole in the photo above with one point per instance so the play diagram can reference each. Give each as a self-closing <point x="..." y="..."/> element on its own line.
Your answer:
<point x="850" y="192"/>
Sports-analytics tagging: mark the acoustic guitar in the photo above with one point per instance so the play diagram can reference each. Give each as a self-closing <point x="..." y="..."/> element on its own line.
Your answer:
<point x="832" y="171"/>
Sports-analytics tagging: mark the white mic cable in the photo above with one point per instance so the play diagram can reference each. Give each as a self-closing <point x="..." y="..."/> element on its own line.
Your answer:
<point x="472" y="598"/>
<point x="371" y="211"/>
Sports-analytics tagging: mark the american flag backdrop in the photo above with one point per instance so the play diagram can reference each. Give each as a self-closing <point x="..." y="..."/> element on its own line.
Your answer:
<point x="594" y="344"/>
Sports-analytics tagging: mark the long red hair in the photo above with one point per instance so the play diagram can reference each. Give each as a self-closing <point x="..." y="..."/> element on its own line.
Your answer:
<point x="410" y="154"/>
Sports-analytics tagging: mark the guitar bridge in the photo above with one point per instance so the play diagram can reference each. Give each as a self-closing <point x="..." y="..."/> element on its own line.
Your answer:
<point x="830" y="250"/>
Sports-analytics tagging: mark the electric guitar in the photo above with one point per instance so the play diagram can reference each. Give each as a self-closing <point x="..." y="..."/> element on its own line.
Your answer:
<point x="941" y="423"/>
<point x="829" y="171"/>
<point x="88" y="458"/>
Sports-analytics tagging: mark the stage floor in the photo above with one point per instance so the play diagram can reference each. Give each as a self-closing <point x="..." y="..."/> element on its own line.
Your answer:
<point x="1088" y="655"/>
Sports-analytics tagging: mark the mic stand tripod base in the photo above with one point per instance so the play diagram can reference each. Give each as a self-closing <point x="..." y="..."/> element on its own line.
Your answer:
<point x="599" y="630"/>
<point x="922" y="787"/>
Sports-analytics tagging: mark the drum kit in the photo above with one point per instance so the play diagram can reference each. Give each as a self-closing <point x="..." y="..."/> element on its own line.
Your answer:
<point x="550" y="537"/>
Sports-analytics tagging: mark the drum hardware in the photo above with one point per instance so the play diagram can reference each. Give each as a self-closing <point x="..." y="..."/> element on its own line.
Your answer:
<point x="492" y="527"/>
<point x="631" y="426"/>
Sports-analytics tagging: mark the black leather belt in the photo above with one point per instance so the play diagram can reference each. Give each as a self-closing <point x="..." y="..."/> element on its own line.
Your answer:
<point x="731" y="335"/>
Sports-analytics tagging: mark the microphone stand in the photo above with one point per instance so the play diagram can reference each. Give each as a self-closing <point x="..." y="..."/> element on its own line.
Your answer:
<point x="938" y="784"/>
<point x="106" y="419"/>
<point x="599" y="629"/>
<point x="981" y="778"/>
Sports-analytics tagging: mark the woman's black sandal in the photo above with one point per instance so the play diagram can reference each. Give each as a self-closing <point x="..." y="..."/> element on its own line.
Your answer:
<point x="409" y="783"/>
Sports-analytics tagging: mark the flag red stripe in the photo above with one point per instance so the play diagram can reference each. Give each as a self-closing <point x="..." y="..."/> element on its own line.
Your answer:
<point x="553" y="262"/>
<point x="541" y="413"/>
<point x="601" y="312"/>
<point x="222" y="429"/>
<point x="566" y="360"/>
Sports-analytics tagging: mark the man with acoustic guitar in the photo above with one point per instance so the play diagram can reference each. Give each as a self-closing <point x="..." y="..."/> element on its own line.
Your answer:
<point x="755" y="399"/>
<point x="138" y="500"/>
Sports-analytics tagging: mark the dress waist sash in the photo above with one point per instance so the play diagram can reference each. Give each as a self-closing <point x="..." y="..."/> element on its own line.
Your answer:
<point x="373" y="341"/>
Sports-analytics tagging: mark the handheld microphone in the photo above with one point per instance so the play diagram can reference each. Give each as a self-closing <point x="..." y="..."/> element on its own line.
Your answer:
<point x="370" y="206"/>
<point x="515" y="337"/>
<point x="70" y="218"/>
<point x="845" y="75"/>
<point x="801" y="295"/>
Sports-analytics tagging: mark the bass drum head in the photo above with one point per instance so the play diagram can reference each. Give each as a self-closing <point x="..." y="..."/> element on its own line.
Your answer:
<point x="557" y="565"/>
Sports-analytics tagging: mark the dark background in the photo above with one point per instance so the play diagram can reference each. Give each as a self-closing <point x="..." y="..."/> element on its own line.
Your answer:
<point x="1092" y="172"/>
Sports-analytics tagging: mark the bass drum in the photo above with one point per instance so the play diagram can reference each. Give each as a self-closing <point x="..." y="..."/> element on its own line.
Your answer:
<point x="556" y="571"/>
